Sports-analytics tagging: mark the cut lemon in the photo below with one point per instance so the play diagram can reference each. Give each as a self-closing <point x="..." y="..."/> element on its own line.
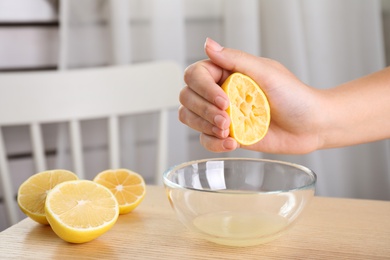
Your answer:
<point x="80" y="211"/>
<point x="249" y="109"/>
<point x="32" y="193"/>
<point x="127" y="186"/>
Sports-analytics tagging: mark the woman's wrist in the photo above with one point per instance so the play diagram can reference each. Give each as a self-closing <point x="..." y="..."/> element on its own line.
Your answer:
<point x="355" y="112"/>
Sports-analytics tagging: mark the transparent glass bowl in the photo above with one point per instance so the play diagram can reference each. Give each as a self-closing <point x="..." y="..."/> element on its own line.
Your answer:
<point x="239" y="201"/>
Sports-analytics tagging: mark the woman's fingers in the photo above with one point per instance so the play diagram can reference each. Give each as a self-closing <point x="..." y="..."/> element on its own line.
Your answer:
<point x="216" y="144"/>
<point x="198" y="123"/>
<point x="202" y="108"/>
<point x="203" y="78"/>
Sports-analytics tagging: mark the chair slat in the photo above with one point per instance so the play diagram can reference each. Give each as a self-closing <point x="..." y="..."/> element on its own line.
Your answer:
<point x="162" y="154"/>
<point x="61" y="145"/>
<point x="38" y="149"/>
<point x="77" y="148"/>
<point x="6" y="183"/>
<point x="114" y="148"/>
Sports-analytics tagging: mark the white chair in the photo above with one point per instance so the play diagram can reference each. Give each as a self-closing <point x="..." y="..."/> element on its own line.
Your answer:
<point x="33" y="98"/>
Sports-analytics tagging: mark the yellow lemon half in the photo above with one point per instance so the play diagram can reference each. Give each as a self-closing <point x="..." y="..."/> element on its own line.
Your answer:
<point x="127" y="186"/>
<point x="249" y="109"/>
<point x="80" y="211"/>
<point x="32" y="193"/>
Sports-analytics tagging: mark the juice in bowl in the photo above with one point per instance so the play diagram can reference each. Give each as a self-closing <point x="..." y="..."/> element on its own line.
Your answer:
<point x="239" y="201"/>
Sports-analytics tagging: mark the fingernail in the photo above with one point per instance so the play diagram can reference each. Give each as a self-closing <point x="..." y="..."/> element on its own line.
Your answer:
<point x="229" y="144"/>
<point x="225" y="133"/>
<point x="213" y="45"/>
<point x="220" y="121"/>
<point x="221" y="102"/>
<point x="220" y="133"/>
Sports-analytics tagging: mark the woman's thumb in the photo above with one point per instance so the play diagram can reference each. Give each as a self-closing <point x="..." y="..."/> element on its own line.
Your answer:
<point x="231" y="59"/>
<point x="262" y="70"/>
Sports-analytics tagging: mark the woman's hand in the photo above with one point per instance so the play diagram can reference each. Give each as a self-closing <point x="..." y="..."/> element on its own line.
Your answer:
<point x="295" y="114"/>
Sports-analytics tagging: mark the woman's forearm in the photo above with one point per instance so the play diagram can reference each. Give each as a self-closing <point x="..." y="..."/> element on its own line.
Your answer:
<point x="357" y="111"/>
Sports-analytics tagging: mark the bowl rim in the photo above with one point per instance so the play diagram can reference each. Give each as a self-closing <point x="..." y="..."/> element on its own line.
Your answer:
<point x="305" y="169"/>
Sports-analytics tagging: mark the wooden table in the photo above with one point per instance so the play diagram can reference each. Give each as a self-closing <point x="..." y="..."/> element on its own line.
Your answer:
<point x="329" y="229"/>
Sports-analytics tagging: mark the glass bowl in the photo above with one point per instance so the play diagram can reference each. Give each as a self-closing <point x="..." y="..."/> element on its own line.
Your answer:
<point x="239" y="201"/>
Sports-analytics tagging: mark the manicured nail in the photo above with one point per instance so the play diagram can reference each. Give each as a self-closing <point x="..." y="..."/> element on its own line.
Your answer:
<point x="221" y="102"/>
<point x="213" y="45"/>
<point x="220" y="133"/>
<point x="229" y="144"/>
<point x="220" y="121"/>
<point x="225" y="133"/>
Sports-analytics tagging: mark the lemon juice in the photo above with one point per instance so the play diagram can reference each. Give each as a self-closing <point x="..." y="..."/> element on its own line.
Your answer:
<point x="240" y="229"/>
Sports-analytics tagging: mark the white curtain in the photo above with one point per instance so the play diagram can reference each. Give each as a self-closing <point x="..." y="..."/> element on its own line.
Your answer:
<point x="324" y="42"/>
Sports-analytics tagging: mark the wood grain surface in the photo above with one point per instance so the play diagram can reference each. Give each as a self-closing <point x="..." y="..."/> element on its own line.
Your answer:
<point x="330" y="228"/>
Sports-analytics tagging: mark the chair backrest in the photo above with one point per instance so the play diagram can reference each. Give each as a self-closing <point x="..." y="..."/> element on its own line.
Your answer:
<point x="34" y="98"/>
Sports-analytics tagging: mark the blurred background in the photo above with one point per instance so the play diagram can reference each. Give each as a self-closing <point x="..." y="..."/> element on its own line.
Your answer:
<point x="324" y="42"/>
